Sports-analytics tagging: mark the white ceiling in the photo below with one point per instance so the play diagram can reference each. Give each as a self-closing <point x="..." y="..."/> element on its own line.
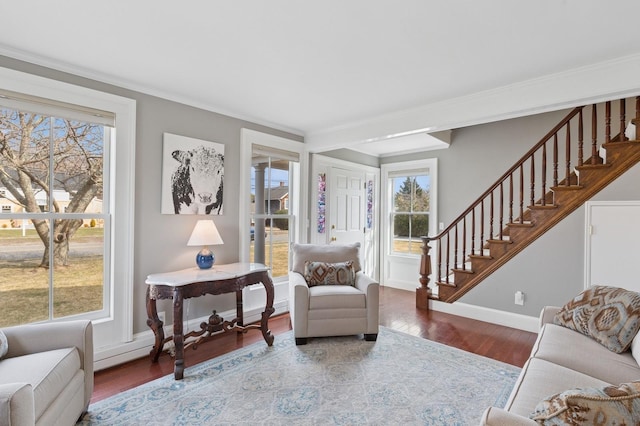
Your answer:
<point x="320" y="68"/>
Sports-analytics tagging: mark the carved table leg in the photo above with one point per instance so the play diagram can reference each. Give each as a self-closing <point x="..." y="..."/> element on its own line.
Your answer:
<point x="156" y="326"/>
<point x="268" y="310"/>
<point x="239" y="308"/>
<point x="178" y="337"/>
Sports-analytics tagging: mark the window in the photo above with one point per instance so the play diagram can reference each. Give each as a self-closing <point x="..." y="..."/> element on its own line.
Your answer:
<point x="271" y="173"/>
<point x="67" y="184"/>
<point x="409" y="194"/>
<point x="271" y="203"/>
<point x="410" y="212"/>
<point x="54" y="169"/>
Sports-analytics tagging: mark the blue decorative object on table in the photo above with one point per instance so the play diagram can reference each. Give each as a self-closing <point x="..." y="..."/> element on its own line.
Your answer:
<point x="205" y="258"/>
<point x="205" y="234"/>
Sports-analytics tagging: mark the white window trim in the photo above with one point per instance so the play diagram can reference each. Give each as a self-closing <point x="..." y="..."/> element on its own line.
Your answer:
<point x="247" y="139"/>
<point x="118" y="328"/>
<point x="386" y="192"/>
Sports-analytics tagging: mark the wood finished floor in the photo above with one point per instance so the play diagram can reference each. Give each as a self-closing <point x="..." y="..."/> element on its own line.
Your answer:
<point x="397" y="311"/>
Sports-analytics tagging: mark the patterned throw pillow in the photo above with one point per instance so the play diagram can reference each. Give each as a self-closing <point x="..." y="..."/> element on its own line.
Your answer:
<point x="4" y="344"/>
<point x="323" y="273"/>
<point x="610" y="405"/>
<point x="609" y="315"/>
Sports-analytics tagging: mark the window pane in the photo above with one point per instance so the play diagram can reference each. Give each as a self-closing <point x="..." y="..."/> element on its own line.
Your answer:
<point x="78" y="166"/>
<point x="78" y="287"/>
<point x="402" y="187"/>
<point x="407" y="230"/>
<point x="25" y="160"/>
<point x="273" y="248"/>
<point x="420" y="194"/>
<point x="411" y="193"/>
<point x="270" y="198"/>
<point x="276" y="190"/>
<point x="24" y="285"/>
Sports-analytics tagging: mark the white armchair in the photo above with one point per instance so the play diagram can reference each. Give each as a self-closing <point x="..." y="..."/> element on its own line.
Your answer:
<point x="46" y="377"/>
<point x="331" y="310"/>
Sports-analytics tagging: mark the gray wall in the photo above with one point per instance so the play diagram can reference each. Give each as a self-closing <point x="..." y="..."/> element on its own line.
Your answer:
<point x="551" y="270"/>
<point x="160" y="240"/>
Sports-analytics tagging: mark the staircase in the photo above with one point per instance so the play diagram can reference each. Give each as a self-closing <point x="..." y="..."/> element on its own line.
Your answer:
<point x="548" y="183"/>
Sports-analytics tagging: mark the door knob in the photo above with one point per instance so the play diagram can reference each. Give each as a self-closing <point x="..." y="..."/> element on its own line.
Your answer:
<point x="333" y="238"/>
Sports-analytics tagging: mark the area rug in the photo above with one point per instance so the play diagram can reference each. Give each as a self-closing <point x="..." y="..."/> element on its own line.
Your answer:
<point x="397" y="380"/>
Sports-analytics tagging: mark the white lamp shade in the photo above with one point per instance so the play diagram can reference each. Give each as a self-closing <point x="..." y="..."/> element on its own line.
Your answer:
<point x="205" y="233"/>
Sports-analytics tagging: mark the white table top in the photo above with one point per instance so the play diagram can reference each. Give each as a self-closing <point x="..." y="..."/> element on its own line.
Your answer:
<point x="195" y="274"/>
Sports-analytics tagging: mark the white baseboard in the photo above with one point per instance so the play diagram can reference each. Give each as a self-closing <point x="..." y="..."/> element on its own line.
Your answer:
<point x="494" y="316"/>
<point x="142" y="342"/>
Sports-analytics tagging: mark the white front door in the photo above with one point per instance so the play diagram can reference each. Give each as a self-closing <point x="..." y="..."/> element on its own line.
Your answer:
<point x="344" y="207"/>
<point x="347" y="206"/>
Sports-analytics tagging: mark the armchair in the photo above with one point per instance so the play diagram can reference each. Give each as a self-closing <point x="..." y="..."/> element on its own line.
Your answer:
<point x="335" y="309"/>
<point x="46" y="377"/>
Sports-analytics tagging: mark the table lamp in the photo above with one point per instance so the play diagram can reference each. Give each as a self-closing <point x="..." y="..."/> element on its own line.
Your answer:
<point x="205" y="234"/>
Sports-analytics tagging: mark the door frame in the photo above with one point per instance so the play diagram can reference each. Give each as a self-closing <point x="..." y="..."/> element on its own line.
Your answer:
<point x="369" y="253"/>
<point x="622" y="253"/>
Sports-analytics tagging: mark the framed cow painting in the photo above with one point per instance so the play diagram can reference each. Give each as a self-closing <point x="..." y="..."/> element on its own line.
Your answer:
<point x="192" y="176"/>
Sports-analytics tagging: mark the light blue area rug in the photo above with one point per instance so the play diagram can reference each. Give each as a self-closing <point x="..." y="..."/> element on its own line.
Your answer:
<point x="398" y="380"/>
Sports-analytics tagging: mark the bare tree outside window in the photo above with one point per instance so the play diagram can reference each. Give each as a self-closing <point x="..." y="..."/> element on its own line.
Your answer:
<point x="52" y="225"/>
<point x="51" y="163"/>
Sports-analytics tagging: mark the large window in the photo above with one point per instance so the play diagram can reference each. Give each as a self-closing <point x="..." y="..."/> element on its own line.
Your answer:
<point x="52" y="171"/>
<point x="271" y="174"/>
<point x="271" y="203"/>
<point x="66" y="185"/>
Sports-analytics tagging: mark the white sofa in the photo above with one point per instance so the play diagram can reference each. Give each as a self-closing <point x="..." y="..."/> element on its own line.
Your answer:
<point x="562" y="359"/>
<point x="46" y="377"/>
<point x="332" y="310"/>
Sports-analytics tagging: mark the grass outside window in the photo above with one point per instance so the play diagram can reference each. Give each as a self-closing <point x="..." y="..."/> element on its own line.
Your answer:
<point x="24" y="285"/>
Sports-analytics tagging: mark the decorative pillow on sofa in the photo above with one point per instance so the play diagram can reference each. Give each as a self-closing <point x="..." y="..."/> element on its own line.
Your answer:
<point x="609" y="315"/>
<point x="323" y="273"/>
<point x="610" y="405"/>
<point x="4" y="344"/>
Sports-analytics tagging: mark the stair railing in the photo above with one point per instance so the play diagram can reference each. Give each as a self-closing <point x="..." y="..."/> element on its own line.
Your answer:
<point x="524" y="186"/>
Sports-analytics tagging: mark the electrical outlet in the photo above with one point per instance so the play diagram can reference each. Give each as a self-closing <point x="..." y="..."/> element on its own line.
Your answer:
<point x="441" y="226"/>
<point x="162" y="317"/>
<point x="519" y="298"/>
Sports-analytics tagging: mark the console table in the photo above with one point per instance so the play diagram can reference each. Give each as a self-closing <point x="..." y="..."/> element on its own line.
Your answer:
<point x="195" y="282"/>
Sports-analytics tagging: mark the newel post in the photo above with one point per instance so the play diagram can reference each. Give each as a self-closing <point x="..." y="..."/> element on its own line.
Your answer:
<point x="424" y="292"/>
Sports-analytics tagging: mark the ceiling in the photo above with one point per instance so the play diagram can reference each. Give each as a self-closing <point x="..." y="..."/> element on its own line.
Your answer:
<point x="325" y="67"/>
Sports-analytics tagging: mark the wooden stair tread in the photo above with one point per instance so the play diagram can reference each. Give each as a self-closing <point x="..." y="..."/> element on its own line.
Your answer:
<point x="480" y="256"/>
<point x="521" y="224"/>
<point x="587" y="166"/>
<point x="541" y="207"/>
<point x="496" y="241"/>
<point x="567" y="188"/>
<point x="463" y="271"/>
<point x="620" y="144"/>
